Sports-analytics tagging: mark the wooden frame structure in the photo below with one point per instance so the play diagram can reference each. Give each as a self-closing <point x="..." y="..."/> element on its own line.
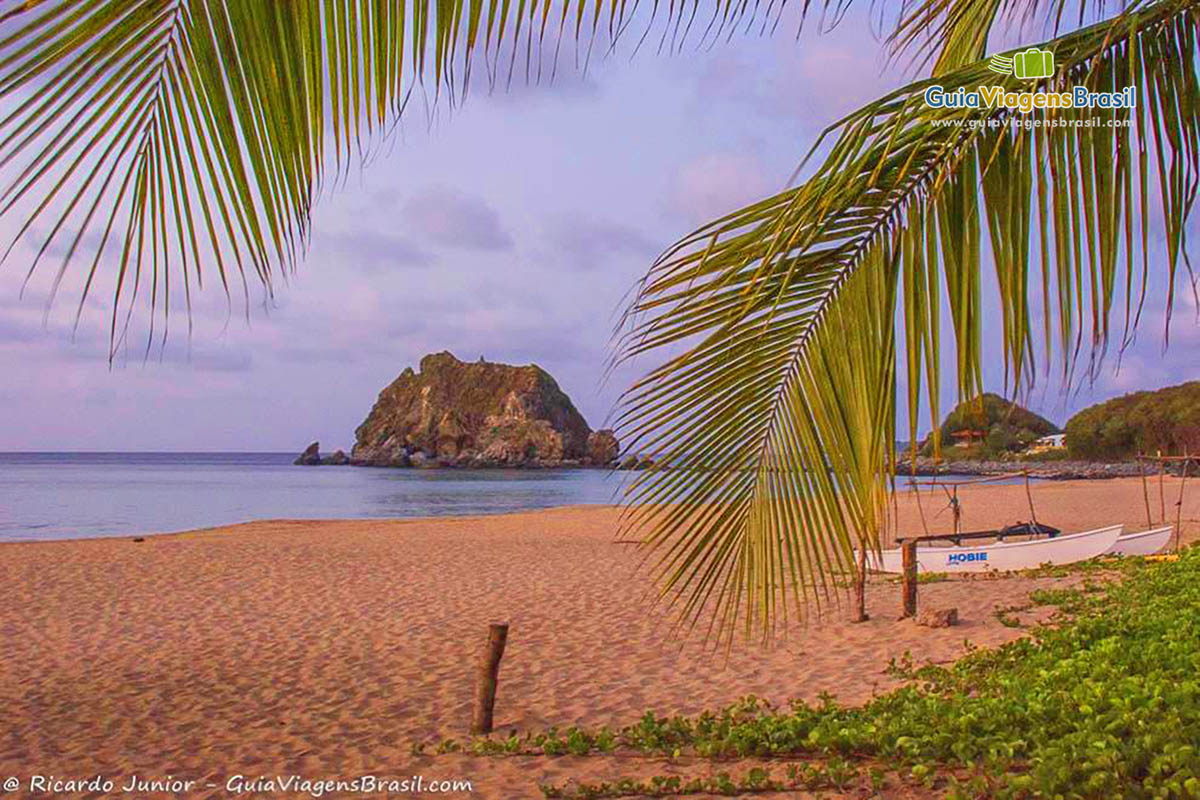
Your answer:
<point x="908" y="544"/>
<point x="1185" y="460"/>
<point x="908" y="552"/>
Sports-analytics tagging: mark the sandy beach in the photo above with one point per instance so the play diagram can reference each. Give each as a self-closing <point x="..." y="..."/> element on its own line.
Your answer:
<point x="327" y="648"/>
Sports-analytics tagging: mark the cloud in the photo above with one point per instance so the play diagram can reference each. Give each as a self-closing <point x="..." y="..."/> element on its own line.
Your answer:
<point x="55" y="340"/>
<point x="372" y="251"/>
<point x="444" y="216"/>
<point x="813" y="81"/>
<point x="718" y="183"/>
<point x="584" y="244"/>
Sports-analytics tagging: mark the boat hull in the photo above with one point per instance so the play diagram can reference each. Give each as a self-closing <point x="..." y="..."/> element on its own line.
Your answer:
<point x="1004" y="556"/>
<point x="1144" y="543"/>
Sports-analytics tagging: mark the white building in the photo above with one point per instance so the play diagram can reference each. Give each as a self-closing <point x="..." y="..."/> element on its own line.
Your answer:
<point x="1056" y="441"/>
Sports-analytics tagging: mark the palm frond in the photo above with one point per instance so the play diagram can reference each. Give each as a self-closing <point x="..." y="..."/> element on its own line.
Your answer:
<point x="190" y="137"/>
<point x="955" y="33"/>
<point x="759" y="490"/>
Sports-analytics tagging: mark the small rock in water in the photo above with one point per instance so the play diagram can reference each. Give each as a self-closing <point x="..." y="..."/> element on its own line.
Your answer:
<point x="937" y="617"/>
<point x="338" y="459"/>
<point x="310" y="457"/>
<point x="602" y="448"/>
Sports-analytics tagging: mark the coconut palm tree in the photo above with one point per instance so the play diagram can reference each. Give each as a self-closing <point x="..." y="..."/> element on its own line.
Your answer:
<point x="189" y="140"/>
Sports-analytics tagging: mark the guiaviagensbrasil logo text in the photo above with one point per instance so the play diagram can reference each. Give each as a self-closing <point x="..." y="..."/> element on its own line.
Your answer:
<point x="1032" y="64"/>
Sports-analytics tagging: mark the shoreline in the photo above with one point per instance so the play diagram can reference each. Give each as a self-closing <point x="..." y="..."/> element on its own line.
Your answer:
<point x="958" y="469"/>
<point x="232" y="528"/>
<point x="926" y="467"/>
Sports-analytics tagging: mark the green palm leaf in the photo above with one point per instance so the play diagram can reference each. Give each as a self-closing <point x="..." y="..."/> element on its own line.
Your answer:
<point x="954" y="33"/>
<point x="766" y="487"/>
<point x="191" y="136"/>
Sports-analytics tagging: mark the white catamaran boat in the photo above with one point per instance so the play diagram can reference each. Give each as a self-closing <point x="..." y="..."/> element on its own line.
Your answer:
<point x="1002" y="556"/>
<point x="1144" y="543"/>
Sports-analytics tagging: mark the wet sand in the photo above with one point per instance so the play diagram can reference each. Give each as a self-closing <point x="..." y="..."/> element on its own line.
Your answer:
<point x="326" y="648"/>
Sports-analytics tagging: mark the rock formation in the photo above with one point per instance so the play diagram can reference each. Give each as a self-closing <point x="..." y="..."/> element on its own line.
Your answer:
<point x="454" y="413"/>
<point x="339" y="458"/>
<point x="310" y="457"/>
<point x="602" y="448"/>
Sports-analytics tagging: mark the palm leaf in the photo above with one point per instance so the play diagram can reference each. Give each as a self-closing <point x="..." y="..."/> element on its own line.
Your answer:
<point x="760" y="491"/>
<point x="954" y="33"/>
<point x="190" y="137"/>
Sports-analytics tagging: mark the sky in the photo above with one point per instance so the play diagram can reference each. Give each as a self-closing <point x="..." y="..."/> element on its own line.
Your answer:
<point x="511" y="228"/>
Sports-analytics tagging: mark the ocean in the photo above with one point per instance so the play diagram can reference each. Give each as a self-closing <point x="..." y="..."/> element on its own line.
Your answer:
<point x="83" y="495"/>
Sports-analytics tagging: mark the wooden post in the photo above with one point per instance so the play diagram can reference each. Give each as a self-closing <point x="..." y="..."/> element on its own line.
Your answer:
<point x="909" y="581"/>
<point x="1145" y="492"/>
<point x="1162" y="493"/>
<point x="957" y="509"/>
<point x="485" y="683"/>
<point x="1179" y="505"/>
<point x="1029" y="497"/>
<point x="920" y="509"/>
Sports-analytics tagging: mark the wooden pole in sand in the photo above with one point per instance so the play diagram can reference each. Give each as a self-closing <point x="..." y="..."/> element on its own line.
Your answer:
<point x="920" y="509"/>
<point x="1179" y="505"/>
<point x="1162" y="492"/>
<point x="487" y="678"/>
<point x="1145" y="493"/>
<point x="1029" y="497"/>
<point x="908" y="552"/>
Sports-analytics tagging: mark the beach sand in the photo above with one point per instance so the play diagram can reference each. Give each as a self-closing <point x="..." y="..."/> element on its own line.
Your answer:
<point x="326" y="648"/>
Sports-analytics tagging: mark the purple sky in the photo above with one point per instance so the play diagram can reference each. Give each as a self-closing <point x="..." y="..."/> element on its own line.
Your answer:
<point x="511" y="228"/>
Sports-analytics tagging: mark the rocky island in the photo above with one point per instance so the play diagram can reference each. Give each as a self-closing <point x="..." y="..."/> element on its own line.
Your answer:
<point x="451" y="413"/>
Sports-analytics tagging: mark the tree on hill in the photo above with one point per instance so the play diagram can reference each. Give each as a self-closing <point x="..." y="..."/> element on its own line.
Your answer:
<point x="1167" y="420"/>
<point x="990" y="426"/>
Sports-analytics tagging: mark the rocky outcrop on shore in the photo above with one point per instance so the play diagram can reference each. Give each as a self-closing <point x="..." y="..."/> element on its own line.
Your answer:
<point x="1047" y="470"/>
<point x="460" y="414"/>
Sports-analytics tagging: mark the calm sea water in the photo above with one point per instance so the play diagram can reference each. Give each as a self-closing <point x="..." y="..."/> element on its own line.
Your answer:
<point x="72" y="495"/>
